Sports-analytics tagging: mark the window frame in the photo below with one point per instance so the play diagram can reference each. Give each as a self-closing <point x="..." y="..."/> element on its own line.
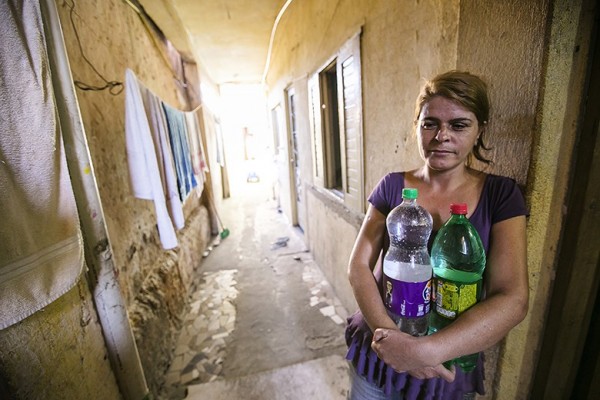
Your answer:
<point x="336" y="126"/>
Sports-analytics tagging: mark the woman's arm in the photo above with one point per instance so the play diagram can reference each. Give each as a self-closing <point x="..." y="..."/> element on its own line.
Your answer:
<point x="360" y="270"/>
<point x="484" y="324"/>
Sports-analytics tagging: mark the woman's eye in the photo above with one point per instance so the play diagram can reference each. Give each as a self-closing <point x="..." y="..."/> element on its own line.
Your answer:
<point x="428" y="125"/>
<point x="459" y="127"/>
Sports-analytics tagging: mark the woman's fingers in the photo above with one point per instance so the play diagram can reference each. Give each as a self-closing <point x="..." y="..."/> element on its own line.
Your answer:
<point x="380" y="334"/>
<point x="445" y="373"/>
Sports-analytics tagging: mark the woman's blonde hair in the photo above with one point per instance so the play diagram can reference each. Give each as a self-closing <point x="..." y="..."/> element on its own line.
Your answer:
<point x="467" y="89"/>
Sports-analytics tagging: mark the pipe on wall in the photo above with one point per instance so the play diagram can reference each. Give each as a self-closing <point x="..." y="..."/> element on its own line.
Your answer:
<point x="108" y="299"/>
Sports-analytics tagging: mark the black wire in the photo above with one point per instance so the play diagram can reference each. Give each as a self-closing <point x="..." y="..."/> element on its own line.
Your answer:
<point x="114" y="87"/>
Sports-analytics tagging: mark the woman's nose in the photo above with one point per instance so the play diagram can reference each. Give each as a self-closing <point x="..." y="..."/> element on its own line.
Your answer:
<point x="442" y="134"/>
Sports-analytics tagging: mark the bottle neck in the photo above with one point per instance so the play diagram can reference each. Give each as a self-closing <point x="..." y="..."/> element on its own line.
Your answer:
<point x="458" y="217"/>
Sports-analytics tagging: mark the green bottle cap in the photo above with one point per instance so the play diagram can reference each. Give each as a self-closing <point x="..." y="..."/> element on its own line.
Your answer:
<point x="410" y="193"/>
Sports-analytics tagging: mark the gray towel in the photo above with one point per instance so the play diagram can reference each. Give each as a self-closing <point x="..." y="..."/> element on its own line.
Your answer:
<point x="41" y="251"/>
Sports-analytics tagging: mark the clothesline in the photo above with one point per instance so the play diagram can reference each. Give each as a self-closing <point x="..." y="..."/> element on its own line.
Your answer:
<point x="165" y="155"/>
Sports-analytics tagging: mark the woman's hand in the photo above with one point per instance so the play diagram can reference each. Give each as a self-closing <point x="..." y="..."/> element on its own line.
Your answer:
<point x="439" y="371"/>
<point x="404" y="352"/>
<point x="482" y="325"/>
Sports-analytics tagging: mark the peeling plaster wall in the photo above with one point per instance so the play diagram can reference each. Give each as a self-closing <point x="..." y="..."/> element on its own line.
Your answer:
<point x="59" y="352"/>
<point x="113" y="39"/>
<point x="532" y="127"/>
<point x="155" y="282"/>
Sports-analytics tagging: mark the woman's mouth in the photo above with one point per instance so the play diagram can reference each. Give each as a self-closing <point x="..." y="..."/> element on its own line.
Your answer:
<point x="440" y="152"/>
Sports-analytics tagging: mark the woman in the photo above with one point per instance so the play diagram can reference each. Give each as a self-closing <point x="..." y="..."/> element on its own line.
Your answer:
<point x="451" y="117"/>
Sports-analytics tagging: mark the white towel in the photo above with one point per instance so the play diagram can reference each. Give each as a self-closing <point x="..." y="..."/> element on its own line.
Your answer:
<point x="41" y="250"/>
<point x="144" y="171"/>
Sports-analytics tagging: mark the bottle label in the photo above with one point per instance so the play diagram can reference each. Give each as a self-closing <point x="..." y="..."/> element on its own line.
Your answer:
<point x="407" y="299"/>
<point x="453" y="298"/>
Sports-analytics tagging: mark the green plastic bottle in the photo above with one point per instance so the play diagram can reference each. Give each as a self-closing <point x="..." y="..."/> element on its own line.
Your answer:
<point x="458" y="261"/>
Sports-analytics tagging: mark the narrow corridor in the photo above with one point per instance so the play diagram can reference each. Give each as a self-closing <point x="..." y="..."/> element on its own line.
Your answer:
<point x="264" y="323"/>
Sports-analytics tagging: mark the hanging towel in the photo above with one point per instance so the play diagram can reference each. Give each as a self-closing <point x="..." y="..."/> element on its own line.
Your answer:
<point x="144" y="172"/>
<point x="41" y="249"/>
<point x="181" y="150"/>
<point x="166" y="164"/>
<point x="196" y="149"/>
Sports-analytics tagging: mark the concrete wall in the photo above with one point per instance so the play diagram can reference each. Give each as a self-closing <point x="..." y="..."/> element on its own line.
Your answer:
<point x="396" y="53"/>
<point x="504" y="42"/>
<point x="59" y="352"/>
<point x="529" y="79"/>
<point x="332" y="231"/>
<point x="558" y="114"/>
<point x="517" y="38"/>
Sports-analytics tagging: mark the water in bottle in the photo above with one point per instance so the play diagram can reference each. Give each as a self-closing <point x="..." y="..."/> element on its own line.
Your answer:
<point x="406" y="266"/>
<point x="458" y="260"/>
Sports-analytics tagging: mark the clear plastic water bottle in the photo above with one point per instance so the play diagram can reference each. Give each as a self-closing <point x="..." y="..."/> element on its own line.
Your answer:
<point x="406" y="267"/>
<point x="458" y="260"/>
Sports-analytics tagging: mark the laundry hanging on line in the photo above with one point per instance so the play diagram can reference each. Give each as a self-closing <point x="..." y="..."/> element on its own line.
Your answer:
<point x="181" y="150"/>
<point x="164" y="155"/>
<point x="159" y="156"/>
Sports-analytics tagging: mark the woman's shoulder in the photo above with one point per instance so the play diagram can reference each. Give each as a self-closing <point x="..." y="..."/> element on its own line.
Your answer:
<point x="387" y="193"/>
<point x="504" y="196"/>
<point x="496" y="183"/>
<point x="393" y="179"/>
<point x="396" y="174"/>
<point x="500" y="179"/>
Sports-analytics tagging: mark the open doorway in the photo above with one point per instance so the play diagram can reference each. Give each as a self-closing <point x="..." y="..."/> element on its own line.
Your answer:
<point x="295" y="170"/>
<point x="247" y="141"/>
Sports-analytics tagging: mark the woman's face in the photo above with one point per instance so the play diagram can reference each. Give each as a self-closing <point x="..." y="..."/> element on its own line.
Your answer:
<point x="447" y="133"/>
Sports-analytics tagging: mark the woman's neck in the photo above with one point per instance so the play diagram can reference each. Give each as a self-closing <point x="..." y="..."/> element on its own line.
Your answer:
<point x="439" y="189"/>
<point x="447" y="180"/>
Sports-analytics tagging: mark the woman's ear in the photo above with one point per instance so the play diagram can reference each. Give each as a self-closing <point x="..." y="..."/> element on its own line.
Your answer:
<point x="482" y="129"/>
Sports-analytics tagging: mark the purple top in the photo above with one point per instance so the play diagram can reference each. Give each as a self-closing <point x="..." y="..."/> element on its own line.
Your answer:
<point x="500" y="199"/>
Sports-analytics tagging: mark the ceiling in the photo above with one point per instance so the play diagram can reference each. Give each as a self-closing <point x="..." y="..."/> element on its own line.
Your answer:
<point x="230" y="38"/>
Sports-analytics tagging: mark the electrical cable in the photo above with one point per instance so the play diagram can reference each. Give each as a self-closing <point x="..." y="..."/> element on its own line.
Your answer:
<point x="114" y="87"/>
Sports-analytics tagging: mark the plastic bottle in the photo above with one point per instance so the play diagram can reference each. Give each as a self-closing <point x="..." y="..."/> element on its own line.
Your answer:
<point x="407" y="267"/>
<point x="458" y="260"/>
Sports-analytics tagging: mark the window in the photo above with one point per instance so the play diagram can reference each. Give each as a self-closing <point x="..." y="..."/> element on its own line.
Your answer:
<point x="275" y="122"/>
<point x="336" y="126"/>
<point x="331" y="129"/>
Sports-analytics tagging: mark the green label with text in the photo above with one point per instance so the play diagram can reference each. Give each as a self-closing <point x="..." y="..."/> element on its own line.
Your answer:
<point x="453" y="298"/>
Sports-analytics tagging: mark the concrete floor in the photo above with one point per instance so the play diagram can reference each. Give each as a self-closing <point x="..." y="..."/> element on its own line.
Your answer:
<point x="264" y="323"/>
